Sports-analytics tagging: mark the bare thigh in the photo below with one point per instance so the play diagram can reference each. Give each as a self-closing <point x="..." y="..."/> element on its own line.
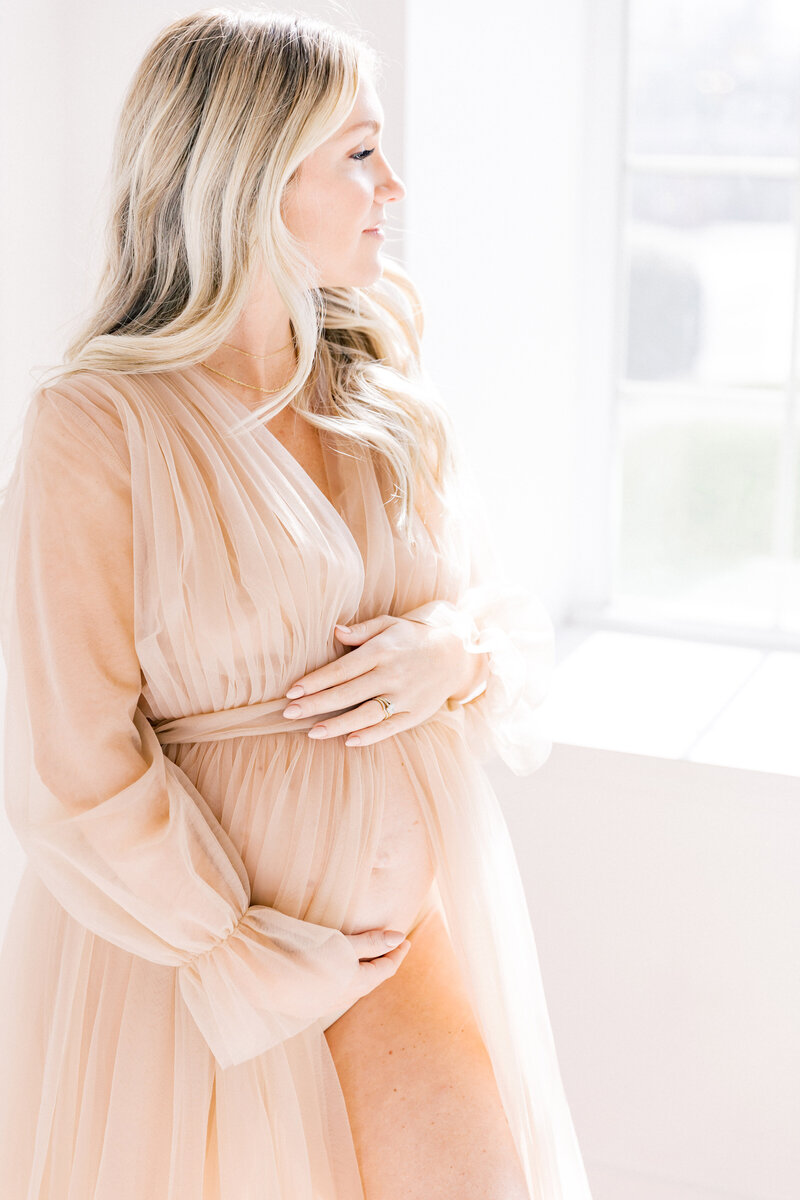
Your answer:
<point x="421" y="1096"/>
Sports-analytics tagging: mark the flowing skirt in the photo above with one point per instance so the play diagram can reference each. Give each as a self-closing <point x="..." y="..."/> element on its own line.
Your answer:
<point x="110" y="1091"/>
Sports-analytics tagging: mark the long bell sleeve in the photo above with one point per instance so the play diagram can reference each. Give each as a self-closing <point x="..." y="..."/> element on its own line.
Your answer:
<point x="494" y="615"/>
<point x="115" y="830"/>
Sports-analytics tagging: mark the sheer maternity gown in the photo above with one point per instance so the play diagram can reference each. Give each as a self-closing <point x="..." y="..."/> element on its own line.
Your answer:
<point x="176" y="947"/>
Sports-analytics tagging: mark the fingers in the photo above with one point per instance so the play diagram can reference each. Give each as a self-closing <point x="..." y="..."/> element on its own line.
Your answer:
<point x="377" y="731"/>
<point x="375" y="971"/>
<point x="367" y="716"/>
<point x="361" y="721"/>
<point x="318" y="685"/>
<point x="390" y="669"/>
<point x="341" y="696"/>
<point x="372" y="942"/>
<point x="381" y="962"/>
<point x="360" y="631"/>
<point x="339" y="671"/>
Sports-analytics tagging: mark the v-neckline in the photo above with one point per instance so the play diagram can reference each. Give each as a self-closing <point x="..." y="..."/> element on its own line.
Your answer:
<point x="298" y="468"/>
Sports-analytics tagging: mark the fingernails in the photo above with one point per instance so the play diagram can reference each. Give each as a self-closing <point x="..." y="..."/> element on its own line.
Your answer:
<point x="392" y="939"/>
<point x="317" y="731"/>
<point x="294" y="692"/>
<point x="292" y="710"/>
<point x="344" y="628"/>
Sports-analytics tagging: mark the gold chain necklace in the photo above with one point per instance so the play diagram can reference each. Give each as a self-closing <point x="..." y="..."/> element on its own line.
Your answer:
<point x="249" y="355"/>
<point x="253" y="387"/>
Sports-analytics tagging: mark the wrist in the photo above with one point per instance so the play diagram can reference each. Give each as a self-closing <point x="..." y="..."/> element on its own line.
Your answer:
<point x="475" y="678"/>
<point x="472" y="668"/>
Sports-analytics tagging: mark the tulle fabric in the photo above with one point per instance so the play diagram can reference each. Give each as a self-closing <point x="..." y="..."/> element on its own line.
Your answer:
<point x="177" y="939"/>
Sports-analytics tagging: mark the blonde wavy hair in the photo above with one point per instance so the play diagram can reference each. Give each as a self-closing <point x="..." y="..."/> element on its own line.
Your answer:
<point x="220" y="112"/>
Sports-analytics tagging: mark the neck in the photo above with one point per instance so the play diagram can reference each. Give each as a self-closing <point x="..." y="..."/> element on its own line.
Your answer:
<point x="259" y="349"/>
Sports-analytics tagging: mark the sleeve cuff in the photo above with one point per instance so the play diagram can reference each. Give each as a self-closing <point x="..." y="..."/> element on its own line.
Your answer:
<point x="268" y="980"/>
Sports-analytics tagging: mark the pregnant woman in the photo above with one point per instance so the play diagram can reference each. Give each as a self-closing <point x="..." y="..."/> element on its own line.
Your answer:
<point x="271" y="941"/>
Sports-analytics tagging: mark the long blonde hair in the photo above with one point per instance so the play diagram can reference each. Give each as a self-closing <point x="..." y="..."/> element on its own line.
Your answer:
<point x="220" y="112"/>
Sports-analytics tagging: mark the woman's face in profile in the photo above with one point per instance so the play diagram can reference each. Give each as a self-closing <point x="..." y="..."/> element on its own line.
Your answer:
<point x="341" y="190"/>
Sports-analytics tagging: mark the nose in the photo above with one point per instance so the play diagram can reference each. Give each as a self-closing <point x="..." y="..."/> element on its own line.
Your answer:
<point x="393" y="187"/>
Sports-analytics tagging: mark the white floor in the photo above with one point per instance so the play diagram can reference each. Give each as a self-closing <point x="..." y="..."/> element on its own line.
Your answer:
<point x="701" y="702"/>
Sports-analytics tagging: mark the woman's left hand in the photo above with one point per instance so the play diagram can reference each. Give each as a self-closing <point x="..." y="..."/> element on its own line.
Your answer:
<point x="417" y="666"/>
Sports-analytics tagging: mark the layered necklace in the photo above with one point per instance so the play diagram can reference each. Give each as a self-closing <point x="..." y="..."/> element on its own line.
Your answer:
<point x="253" y="386"/>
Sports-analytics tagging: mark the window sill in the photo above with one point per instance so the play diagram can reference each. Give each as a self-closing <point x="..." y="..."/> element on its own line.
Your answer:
<point x="672" y="698"/>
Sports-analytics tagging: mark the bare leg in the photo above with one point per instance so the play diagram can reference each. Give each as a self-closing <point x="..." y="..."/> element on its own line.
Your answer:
<point x="424" y="1108"/>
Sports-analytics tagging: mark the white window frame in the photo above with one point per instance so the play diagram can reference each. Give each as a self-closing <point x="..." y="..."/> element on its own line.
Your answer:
<point x="602" y="336"/>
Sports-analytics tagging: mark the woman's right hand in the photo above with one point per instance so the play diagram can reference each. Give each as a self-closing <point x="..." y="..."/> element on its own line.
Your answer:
<point x="381" y="962"/>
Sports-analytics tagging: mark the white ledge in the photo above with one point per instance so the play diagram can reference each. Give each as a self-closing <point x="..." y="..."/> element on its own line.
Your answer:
<point x="700" y="702"/>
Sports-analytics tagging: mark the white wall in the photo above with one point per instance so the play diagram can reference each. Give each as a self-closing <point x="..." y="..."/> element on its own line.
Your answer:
<point x="665" y="899"/>
<point x="493" y="145"/>
<point x="35" y="231"/>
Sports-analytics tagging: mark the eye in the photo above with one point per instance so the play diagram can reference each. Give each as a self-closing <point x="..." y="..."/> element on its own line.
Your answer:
<point x="362" y="155"/>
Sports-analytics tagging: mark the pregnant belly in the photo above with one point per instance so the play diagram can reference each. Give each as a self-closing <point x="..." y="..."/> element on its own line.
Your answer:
<point x="326" y="833"/>
<point x="403" y="870"/>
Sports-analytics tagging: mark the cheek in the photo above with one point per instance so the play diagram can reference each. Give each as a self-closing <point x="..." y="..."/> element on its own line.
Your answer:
<point x="349" y="204"/>
<point x="357" y="195"/>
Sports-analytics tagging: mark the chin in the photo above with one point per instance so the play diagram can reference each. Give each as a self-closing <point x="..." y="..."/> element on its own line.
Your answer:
<point x="375" y="273"/>
<point x="358" y="278"/>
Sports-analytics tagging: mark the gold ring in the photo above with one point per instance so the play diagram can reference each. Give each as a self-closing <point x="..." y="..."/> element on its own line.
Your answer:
<point x="388" y="707"/>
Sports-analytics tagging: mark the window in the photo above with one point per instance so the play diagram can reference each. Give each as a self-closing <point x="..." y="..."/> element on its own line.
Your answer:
<point x="703" y="520"/>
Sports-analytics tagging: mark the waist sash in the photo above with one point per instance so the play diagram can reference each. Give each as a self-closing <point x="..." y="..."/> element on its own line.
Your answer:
<point x="252" y="719"/>
<point x="262" y="717"/>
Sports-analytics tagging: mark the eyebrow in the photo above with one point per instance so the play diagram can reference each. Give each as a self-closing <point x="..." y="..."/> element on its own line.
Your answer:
<point x="373" y="125"/>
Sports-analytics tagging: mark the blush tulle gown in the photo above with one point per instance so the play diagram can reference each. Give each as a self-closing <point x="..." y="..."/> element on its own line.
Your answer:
<point x="193" y="858"/>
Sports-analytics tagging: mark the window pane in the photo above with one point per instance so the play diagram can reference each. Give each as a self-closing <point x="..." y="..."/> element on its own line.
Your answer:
<point x="711" y="263"/>
<point x="714" y="76"/>
<point x="697" y="512"/>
